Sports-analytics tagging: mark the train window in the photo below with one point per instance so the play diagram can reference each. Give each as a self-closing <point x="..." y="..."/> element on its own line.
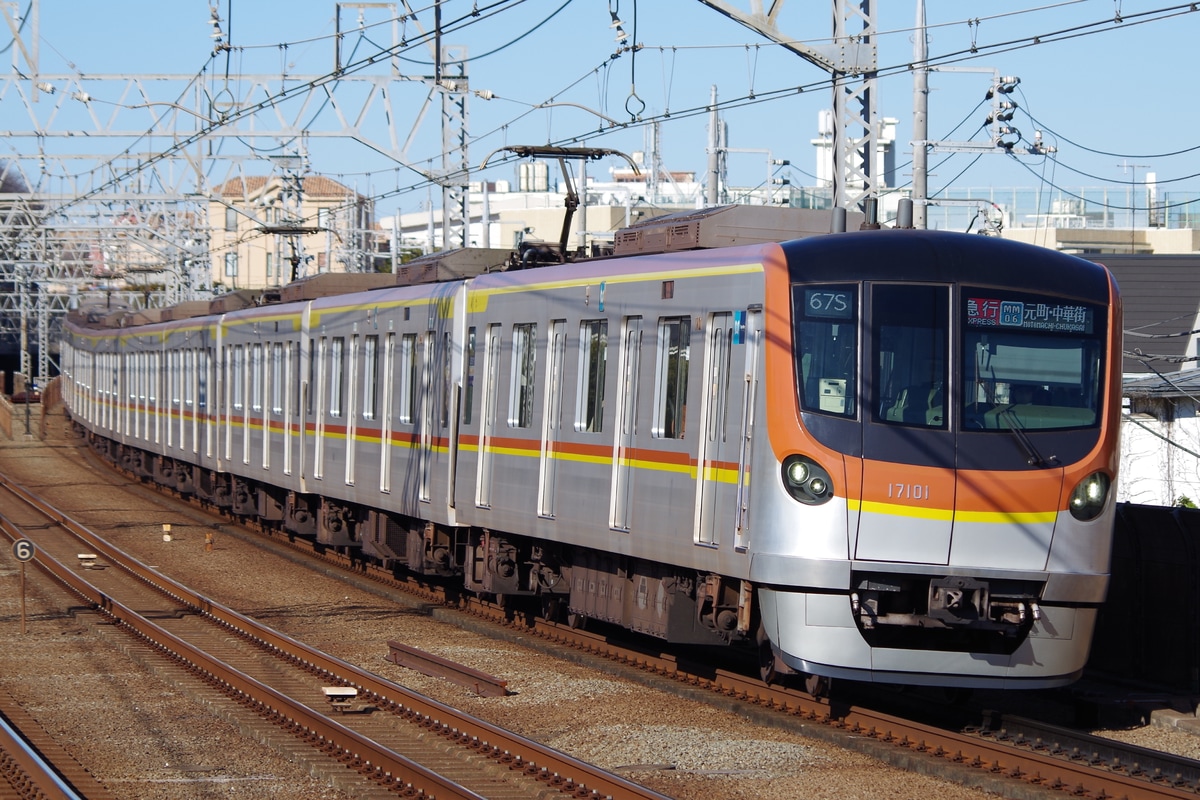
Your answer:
<point x="256" y="377"/>
<point x="175" y="369"/>
<point x="294" y="373"/>
<point x="236" y="376"/>
<point x="593" y="364"/>
<point x="469" y="382"/>
<point x="910" y="333"/>
<point x="127" y="362"/>
<point x="720" y="344"/>
<point x="337" y="379"/>
<point x="1030" y="361"/>
<point x="370" y="376"/>
<point x="826" y="347"/>
<point x="277" y="379"/>
<point x="524" y="362"/>
<point x="670" y="391"/>
<point x="408" y="377"/>
<point x="202" y="382"/>
<point x="189" y="383"/>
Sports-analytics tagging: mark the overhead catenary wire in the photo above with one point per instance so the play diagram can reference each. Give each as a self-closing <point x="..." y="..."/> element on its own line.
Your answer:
<point x="746" y="100"/>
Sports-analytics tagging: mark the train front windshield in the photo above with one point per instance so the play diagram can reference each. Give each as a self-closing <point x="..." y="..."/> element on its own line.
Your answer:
<point x="1025" y="361"/>
<point x="1030" y="362"/>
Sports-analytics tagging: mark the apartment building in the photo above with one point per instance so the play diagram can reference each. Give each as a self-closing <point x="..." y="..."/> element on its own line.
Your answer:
<point x="268" y="230"/>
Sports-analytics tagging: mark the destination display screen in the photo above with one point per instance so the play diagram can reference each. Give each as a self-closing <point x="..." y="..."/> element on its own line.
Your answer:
<point x="1014" y="313"/>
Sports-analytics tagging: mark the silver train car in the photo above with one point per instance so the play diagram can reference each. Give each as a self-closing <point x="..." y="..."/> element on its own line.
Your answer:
<point x="879" y="456"/>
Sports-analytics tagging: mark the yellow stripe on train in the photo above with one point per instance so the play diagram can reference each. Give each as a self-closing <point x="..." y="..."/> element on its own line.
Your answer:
<point x="947" y="514"/>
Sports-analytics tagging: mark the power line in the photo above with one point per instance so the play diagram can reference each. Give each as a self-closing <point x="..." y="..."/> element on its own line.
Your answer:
<point x="753" y="98"/>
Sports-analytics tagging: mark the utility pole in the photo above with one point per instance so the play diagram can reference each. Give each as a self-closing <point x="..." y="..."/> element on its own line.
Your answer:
<point x="920" y="143"/>
<point x="1003" y="137"/>
<point x="715" y="153"/>
<point x="1131" y="169"/>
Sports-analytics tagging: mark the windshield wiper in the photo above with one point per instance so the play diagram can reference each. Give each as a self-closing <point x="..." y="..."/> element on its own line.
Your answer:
<point x="1033" y="457"/>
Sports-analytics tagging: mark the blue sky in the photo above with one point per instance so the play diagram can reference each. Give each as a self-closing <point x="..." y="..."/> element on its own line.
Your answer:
<point x="1113" y="96"/>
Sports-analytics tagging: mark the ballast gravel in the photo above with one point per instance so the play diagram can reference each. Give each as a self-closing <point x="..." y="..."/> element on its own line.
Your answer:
<point x="145" y="739"/>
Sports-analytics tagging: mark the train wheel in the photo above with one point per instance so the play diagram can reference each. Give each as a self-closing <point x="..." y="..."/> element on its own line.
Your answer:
<point x="766" y="662"/>
<point x="576" y="621"/>
<point x="816" y="685"/>
<point x="552" y="609"/>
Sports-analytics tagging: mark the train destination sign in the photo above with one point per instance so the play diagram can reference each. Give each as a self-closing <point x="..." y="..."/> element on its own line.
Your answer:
<point x="1052" y="317"/>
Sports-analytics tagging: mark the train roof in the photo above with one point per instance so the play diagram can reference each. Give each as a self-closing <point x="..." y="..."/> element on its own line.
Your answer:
<point x="702" y="229"/>
<point x="946" y="256"/>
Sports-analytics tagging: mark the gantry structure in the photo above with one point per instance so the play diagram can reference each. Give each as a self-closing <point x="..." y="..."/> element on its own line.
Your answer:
<point x="108" y="186"/>
<point x="851" y="60"/>
<point x="109" y="182"/>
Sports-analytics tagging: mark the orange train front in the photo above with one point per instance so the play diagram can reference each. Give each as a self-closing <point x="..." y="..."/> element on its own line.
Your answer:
<point x="943" y="419"/>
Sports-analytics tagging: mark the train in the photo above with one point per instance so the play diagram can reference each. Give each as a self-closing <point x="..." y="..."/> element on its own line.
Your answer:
<point x="874" y="455"/>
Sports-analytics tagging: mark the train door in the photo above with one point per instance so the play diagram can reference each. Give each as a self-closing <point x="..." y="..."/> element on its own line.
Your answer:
<point x="750" y="330"/>
<point x="385" y="400"/>
<point x="216" y="395"/>
<point x="425" y="431"/>
<point x="556" y="346"/>
<point x="349" y="397"/>
<point x="128" y="397"/>
<point x="233" y="401"/>
<point x="261" y="387"/>
<point x="252" y="411"/>
<point x="727" y="418"/>
<point x="193" y="382"/>
<point x="292" y="392"/>
<point x="908" y="447"/>
<point x="179" y="396"/>
<point x="202" y="399"/>
<point x="488" y="406"/>
<point x="620" y="505"/>
<point x="304" y="409"/>
<point x="276" y="391"/>
<point x="318" y="409"/>
<point x="171" y="395"/>
<point x="714" y="489"/>
<point x="155" y="392"/>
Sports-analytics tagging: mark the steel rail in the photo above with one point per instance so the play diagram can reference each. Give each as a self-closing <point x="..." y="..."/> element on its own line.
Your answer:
<point x="554" y="767"/>
<point x="1054" y="770"/>
<point x="352" y="748"/>
<point x="1083" y="774"/>
<point x="27" y="771"/>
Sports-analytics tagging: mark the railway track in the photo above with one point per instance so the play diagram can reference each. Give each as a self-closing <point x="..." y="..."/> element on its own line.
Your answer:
<point x="344" y="714"/>
<point x="32" y="765"/>
<point x="1000" y="753"/>
<point x="987" y="754"/>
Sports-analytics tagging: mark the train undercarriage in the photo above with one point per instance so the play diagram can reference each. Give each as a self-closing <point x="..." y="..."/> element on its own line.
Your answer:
<point x="560" y="582"/>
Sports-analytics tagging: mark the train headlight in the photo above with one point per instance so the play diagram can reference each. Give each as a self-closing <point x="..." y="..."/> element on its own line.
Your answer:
<point x="806" y="480"/>
<point x="797" y="472"/>
<point x="1087" y="500"/>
